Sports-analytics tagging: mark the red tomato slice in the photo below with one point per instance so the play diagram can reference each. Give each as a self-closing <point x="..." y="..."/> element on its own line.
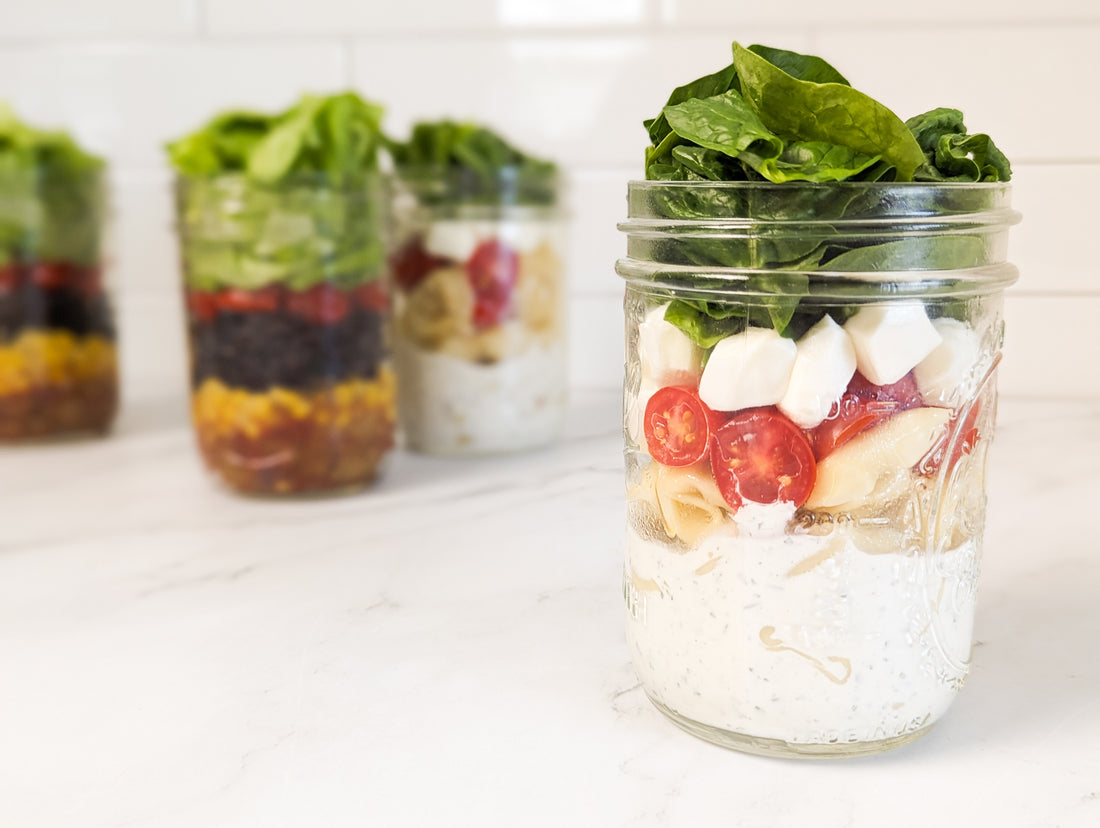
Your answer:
<point x="262" y="300"/>
<point x="319" y="305"/>
<point x="760" y="455"/>
<point x="89" y="280"/>
<point x="10" y="277"/>
<point x="677" y="426"/>
<point x="202" y="305"/>
<point x="51" y="275"/>
<point x="904" y="392"/>
<point x="412" y="263"/>
<point x="372" y="296"/>
<point x="492" y="270"/>
<point x="863" y="406"/>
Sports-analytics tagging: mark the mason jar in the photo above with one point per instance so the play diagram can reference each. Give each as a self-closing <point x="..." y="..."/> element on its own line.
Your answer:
<point x="479" y="310"/>
<point x="58" y="358"/>
<point x="809" y="404"/>
<point x="287" y="302"/>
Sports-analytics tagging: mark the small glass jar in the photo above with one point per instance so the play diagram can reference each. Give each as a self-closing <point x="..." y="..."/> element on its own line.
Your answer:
<point x="287" y="302"/>
<point x="479" y="311"/>
<point x="809" y="404"/>
<point x="58" y="359"/>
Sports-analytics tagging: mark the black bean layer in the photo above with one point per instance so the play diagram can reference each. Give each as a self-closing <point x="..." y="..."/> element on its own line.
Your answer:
<point x="258" y="350"/>
<point x="29" y="306"/>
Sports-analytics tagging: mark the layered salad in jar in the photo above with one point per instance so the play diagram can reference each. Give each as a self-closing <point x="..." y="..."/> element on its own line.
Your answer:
<point x="58" y="361"/>
<point x="282" y="222"/>
<point x="808" y="405"/>
<point x="479" y="319"/>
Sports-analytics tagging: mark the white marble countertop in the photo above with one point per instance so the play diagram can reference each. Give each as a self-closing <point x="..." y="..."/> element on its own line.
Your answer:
<point x="447" y="649"/>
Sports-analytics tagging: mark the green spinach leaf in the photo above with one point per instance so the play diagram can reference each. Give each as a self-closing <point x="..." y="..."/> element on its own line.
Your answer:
<point x="449" y="162"/>
<point x="830" y="112"/>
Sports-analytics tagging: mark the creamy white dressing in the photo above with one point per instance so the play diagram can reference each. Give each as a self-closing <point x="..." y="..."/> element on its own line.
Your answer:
<point x="770" y="633"/>
<point x="452" y="405"/>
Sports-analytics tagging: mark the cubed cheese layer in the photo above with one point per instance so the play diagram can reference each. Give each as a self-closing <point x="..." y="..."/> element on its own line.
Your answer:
<point x="665" y="353"/>
<point x="823" y="365"/>
<point x="945" y="374"/>
<point x="747" y="369"/>
<point x="890" y="339"/>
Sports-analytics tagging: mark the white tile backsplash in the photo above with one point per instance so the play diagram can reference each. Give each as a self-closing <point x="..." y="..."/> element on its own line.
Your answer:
<point x="143" y="244"/>
<point x="571" y="80"/>
<point x="1012" y="83"/>
<point x="289" y="17"/>
<point x="1050" y="350"/>
<point x="1060" y="216"/>
<point x="127" y="99"/>
<point x="102" y="18"/>
<point x="874" y="14"/>
<point x="578" y="100"/>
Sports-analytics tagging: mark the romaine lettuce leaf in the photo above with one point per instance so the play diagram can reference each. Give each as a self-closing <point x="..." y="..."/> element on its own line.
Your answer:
<point x="52" y="195"/>
<point x="290" y="198"/>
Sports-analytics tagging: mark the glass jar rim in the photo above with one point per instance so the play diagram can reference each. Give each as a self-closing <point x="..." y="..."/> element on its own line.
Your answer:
<point x="511" y="185"/>
<point x="803" y="203"/>
<point x="318" y="179"/>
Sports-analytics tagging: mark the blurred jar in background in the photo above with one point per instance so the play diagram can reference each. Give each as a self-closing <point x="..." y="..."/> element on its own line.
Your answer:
<point x="284" y="270"/>
<point x="480" y="321"/>
<point x="58" y="361"/>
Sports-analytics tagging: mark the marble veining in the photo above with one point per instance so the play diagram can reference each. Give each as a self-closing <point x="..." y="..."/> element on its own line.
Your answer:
<point x="447" y="649"/>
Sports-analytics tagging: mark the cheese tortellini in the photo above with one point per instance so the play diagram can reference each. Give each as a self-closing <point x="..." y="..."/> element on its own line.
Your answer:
<point x="686" y="499"/>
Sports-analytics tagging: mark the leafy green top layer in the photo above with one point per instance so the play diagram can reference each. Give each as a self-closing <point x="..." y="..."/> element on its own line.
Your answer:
<point x="283" y="199"/>
<point x="780" y="116"/>
<point x="338" y="135"/>
<point x="51" y="195"/>
<point x="451" y="162"/>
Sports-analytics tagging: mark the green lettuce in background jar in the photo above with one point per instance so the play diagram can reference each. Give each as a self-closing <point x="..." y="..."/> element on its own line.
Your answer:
<point x="813" y="325"/>
<point x="282" y="225"/>
<point x="58" y="359"/>
<point x="479" y="310"/>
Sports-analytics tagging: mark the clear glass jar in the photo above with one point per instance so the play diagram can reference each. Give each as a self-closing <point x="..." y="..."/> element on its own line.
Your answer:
<point x="58" y="358"/>
<point x="287" y="302"/>
<point x="479" y="311"/>
<point x="809" y="403"/>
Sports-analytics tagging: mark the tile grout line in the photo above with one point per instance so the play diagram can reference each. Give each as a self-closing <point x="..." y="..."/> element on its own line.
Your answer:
<point x="201" y="19"/>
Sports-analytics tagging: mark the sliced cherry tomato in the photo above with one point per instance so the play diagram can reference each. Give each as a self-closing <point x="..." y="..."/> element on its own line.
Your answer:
<point x="262" y="300"/>
<point x="862" y="406"/>
<point x="492" y="270"/>
<point x="51" y="275"/>
<point x="762" y="456"/>
<point x="905" y="391"/>
<point x="677" y="426"/>
<point x="372" y="296"/>
<point x="412" y="263"/>
<point x="202" y="305"/>
<point x="10" y="277"/>
<point x="88" y="280"/>
<point x="319" y="305"/>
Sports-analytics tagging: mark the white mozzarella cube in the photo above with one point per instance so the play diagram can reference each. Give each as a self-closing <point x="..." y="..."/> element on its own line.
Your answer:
<point x="526" y="236"/>
<point x="747" y="369"/>
<point x="455" y="239"/>
<point x="944" y="374"/>
<point x="890" y="340"/>
<point x="823" y="366"/>
<point x="666" y="355"/>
